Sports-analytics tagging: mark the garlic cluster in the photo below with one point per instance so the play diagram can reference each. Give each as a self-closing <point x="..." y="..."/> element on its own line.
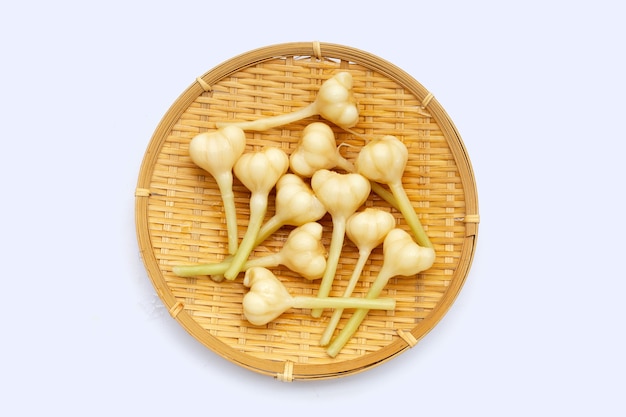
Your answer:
<point x="402" y="256"/>
<point x="367" y="229"/>
<point x="295" y="204"/>
<point x="310" y="182"/>
<point x="335" y="102"/>
<point x="317" y="149"/>
<point x="259" y="172"/>
<point x="268" y="298"/>
<point x="216" y="152"/>
<point x="384" y="160"/>
<point x="342" y="195"/>
<point x="302" y="252"/>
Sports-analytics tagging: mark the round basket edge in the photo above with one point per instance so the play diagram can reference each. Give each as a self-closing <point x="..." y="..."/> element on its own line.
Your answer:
<point x="341" y="52"/>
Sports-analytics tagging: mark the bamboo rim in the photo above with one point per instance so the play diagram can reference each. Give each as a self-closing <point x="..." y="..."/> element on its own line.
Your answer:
<point x="449" y="208"/>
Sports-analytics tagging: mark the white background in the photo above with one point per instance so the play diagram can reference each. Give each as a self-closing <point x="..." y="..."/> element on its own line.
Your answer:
<point x="536" y="89"/>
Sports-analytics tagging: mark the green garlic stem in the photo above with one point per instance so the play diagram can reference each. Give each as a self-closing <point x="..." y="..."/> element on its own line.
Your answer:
<point x="344" y="164"/>
<point x="269" y="227"/>
<point x="203" y="269"/>
<point x="407" y="210"/>
<point x="258" y="208"/>
<point x="266" y="123"/>
<point x="334" y="252"/>
<point x="354" y="278"/>
<point x="344" y="302"/>
<point x="384" y="194"/>
<point x="225" y="184"/>
<point x="359" y="315"/>
<point x="219" y="268"/>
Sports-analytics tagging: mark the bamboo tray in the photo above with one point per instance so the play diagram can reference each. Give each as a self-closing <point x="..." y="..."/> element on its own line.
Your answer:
<point x="179" y="216"/>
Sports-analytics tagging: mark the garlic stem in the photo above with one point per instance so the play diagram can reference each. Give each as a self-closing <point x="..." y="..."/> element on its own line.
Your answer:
<point x="407" y="210"/>
<point x="219" y="268"/>
<point x="334" y="253"/>
<point x="384" y="194"/>
<point x="258" y="208"/>
<point x="266" y="123"/>
<point x="268" y="228"/>
<point x="343" y="303"/>
<point x="354" y="278"/>
<point x="344" y="164"/>
<point x="358" y="316"/>
<point x="225" y="184"/>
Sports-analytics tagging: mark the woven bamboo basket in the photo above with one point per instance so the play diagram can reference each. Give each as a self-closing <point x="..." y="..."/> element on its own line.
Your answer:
<point x="180" y="219"/>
